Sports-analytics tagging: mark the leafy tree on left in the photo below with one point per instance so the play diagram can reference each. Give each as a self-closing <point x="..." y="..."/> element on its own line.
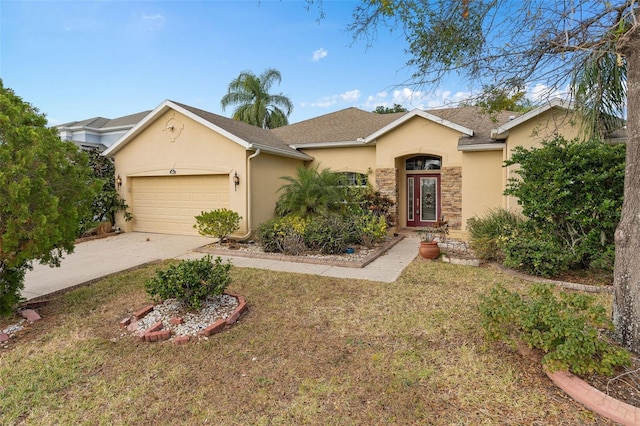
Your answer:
<point x="45" y="190"/>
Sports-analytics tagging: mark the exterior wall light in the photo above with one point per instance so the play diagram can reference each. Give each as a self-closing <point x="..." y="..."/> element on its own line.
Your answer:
<point x="236" y="180"/>
<point x="119" y="181"/>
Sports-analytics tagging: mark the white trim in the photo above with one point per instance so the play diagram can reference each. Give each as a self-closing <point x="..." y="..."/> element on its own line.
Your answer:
<point x="483" y="147"/>
<point x="342" y="144"/>
<point x="281" y="152"/>
<point x="554" y="103"/>
<point x="167" y="105"/>
<point x="418" y="113"/>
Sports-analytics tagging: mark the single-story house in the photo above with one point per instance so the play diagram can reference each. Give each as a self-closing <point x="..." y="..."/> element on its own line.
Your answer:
<point x="178" y="161"/>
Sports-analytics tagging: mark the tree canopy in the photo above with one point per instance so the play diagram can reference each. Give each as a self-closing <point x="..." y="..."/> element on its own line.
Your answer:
<point x="255" y="105"/>
<point x="381" y="109"/>
<point x="552" y="44"/>
<point x="45" y="190"/>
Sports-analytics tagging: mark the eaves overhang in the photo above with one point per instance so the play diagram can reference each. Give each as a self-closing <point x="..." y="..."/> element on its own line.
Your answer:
<point x="482" y="147"/>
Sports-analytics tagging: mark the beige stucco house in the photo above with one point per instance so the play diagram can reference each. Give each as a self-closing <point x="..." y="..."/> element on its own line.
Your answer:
<point x="180" y="160"/>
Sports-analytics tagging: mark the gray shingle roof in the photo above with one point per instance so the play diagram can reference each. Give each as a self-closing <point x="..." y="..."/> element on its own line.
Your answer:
<point x="345" y="125"/>
<point x="474" y="118"/>
<point x="105" y="123"/>
<point x="247" y="132"/>
<point x="352" y="123"/>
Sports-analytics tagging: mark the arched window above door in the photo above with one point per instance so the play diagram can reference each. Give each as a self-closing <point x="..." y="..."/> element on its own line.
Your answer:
<point x="423" y="162"/>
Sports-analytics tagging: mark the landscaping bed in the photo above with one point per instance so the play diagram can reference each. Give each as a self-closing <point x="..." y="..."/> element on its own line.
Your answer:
<point x="358" y="257"/>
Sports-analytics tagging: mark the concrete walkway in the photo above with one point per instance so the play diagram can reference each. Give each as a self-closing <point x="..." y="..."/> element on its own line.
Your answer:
<point x="98" y="258"/>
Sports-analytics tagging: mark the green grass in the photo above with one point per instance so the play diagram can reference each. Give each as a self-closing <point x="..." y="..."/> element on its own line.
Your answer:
<point x="310" y="350"/>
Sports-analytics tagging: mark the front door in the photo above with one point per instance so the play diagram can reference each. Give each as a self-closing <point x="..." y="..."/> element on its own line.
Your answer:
<point x="423" y="199"/>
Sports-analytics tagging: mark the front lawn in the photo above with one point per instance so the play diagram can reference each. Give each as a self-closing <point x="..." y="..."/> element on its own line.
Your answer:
<point x="310" y="350"/>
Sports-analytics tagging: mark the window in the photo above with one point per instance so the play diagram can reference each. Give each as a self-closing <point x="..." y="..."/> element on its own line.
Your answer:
<point x="354" y="179"/>
<point x="423" y="162"/>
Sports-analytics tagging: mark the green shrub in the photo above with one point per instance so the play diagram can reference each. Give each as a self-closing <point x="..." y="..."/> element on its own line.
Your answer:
<point x="566" y="328"/>
<point x="371" y="229"/>
<point x="218" y="223"/>
<point x="11" y="285"/>
<point x="282" y="235"/>
<point x="489" y="233"/>
<point x="536" y="253"/>
<point x="190" y="281"/>
<point x="330" y="234"/>
<point x="572" y="192"/>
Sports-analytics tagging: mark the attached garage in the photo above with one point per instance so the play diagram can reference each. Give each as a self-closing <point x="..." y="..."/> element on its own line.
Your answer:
<point x="169" y="204"/>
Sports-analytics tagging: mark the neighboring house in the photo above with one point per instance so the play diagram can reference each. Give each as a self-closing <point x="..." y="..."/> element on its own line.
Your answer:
<point x="98" y="132"/>
<point x="179" y="161"/>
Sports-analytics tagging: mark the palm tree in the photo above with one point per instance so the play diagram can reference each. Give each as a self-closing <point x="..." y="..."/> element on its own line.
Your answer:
<point x="600" y="89"/>
<point x="255" y="104"/>
<point x="311" y="193"/>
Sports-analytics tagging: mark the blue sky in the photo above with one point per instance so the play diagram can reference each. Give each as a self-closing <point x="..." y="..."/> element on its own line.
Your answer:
<point x="79" y="59"/>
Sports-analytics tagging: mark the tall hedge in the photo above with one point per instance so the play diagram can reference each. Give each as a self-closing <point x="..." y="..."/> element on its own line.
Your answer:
<point x="572" y="193"/>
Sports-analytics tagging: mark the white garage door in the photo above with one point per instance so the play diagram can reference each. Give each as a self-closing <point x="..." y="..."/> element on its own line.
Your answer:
<point x="168" y="204"/>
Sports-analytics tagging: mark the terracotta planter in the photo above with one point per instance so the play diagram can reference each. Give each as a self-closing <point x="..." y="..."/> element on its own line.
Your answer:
<point x="429" y="249"/>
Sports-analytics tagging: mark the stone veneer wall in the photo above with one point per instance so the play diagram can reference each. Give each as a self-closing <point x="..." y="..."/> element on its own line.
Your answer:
<point x="451" y="193"/>
<point x="387" y="184"/>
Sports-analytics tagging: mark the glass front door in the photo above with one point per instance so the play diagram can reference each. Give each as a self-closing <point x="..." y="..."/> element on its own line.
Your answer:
<point x="423" y="199"/>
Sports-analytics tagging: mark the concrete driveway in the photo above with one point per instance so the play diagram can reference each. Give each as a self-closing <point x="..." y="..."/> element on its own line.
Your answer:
<point x="98" y="258"/>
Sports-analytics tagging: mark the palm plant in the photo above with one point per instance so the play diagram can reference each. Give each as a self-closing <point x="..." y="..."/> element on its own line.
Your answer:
<point x="311" y="193"/>
<point x="600" y="89"/>
<point x="256" y="105"/>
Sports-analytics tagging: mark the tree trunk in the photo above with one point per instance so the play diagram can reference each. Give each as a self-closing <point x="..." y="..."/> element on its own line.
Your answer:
<point x="626" y="305"/>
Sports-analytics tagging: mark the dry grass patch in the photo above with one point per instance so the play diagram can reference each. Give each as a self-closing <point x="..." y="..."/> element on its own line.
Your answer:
<point x="310" y="349"/>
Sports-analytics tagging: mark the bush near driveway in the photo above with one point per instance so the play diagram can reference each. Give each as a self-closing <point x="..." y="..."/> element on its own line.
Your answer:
<point x="190" y="281"/>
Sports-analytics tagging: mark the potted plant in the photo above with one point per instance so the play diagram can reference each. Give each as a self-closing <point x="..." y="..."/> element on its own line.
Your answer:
<point x="428" y="244"/>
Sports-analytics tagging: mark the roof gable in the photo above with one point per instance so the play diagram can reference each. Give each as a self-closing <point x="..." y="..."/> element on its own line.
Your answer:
<point x="418" y="113"/>
<point x="248" y="136"/>
<point x="554" y="103"/>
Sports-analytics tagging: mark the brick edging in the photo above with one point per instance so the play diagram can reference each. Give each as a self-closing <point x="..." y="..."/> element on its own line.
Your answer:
<point x="156" y="332"/>
<point x="595" y="400"/>
<point x="563" y="284"/>
<point x="304" y="259"/>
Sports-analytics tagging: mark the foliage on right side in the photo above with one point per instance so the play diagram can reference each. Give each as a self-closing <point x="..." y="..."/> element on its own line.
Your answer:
<point x="567" y="328"/>
<point x="571" y="197"/>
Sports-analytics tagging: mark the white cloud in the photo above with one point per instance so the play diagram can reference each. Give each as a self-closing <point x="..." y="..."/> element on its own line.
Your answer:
<point x="405" y="96"/>
<point x="411" y="99"/>
<point x="319" y="54"/>
<point x="539" y="93"/>
<point x="349" y="97"/>
<point x="152" y="22"/>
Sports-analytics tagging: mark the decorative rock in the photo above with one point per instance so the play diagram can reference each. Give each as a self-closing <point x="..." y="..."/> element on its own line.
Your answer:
<point x="30" y="315"/>
<point x="3" y="337"/>
<point x="239" y="310"/>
